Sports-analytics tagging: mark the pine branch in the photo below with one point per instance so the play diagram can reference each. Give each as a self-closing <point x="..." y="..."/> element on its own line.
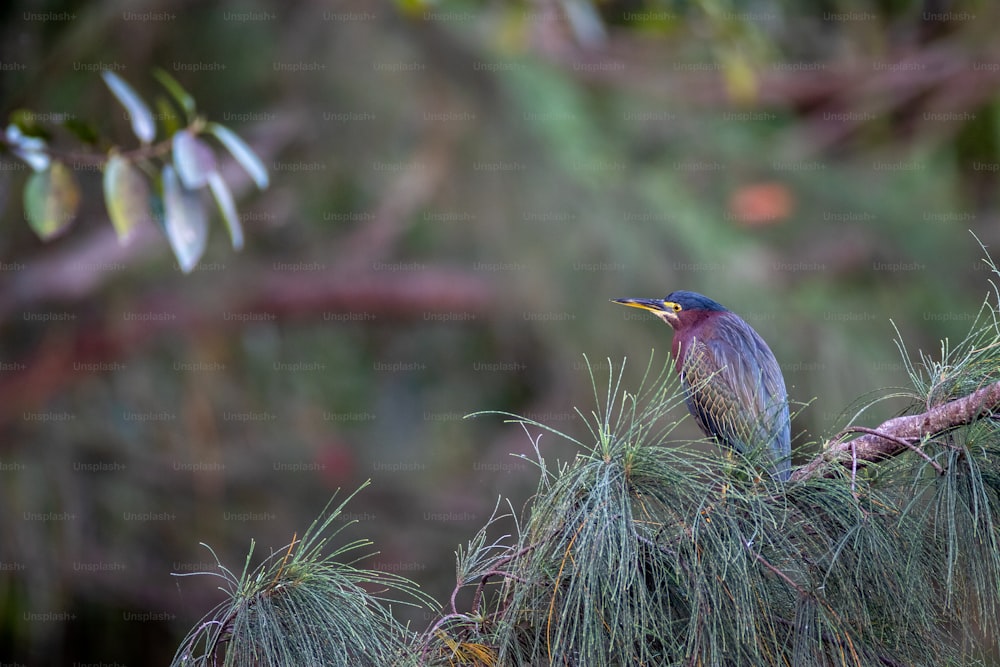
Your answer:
<point x="889" y="439"/>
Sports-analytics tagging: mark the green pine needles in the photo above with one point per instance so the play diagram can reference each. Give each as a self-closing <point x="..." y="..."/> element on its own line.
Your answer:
<point x="640" y="554"/>
<point x="301" y="606"/>
<point x="646" y="550"/>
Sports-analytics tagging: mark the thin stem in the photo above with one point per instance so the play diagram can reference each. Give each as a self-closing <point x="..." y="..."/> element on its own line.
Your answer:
<point x="281" y="568"/>
<point x="763" y="561"/>
<point x="141" y="153"/>
<point x="92" y="158"/>
<point x="434" y="629"/>
<point x="477" y="597"/>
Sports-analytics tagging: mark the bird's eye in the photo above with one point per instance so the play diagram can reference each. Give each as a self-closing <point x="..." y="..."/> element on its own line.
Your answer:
<point x="676" y="307"/>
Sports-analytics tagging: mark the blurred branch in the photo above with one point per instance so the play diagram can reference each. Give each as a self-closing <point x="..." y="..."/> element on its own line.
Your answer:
<point x="936" y="78"/>
<point x="894" y="77"/>
<point x="414" y="188"/>
<point x="889" y="438"/>
<point x="405" y="295"/>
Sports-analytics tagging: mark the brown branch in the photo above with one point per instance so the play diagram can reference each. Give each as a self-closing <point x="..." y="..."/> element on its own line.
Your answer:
<point x="428" y="169"/>
<point x="907" y="76"/>
<point x="495" y="571"/>
<point x="788" y="580"/>
<point x="95" y="158"/>
<point x="376" y="297"/>
<point x="890" y="438"/>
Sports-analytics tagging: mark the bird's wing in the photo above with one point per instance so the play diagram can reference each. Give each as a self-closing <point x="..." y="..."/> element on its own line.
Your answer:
<point x="735" y="381"/>
<point x="711" y="392"/>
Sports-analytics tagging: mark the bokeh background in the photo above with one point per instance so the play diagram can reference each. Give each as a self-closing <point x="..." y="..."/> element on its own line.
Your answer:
<point x="457" y="190"/>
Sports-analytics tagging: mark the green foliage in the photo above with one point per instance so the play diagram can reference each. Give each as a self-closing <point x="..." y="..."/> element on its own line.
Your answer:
<point x="193" y="160"/>
<point x="302" y="606"/>
<point x="638" y="553"/>
<point x="169" y="176"/>
<point x="957" y="513"/>
<point x="646" y="550"/>
<point x="227" y="208"/>
<point x="126" y="193"/>
<point x="241" y="153"/>
<point x="51" y="199"/>
<point x="644" y="554"/>
<point x="184" y="220"/>
<point x="181" y="97"/>
<point x="139" y="115"/>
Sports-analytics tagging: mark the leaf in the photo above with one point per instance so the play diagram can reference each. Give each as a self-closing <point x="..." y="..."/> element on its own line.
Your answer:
<point x="82" y="130"/>
<point x="739" y="76"/>
<point x="126" y="195"/>
<point x="30" y="149"/>
<point x="193" y="160"/>
<point x="139" y="114"/>
<point x="184" y="221"/>
<point x="224" y="198"/>
<point x="156" y="206"/>
<point x="176" y="91"/>
<point x="169" y="120"/>
<point x="25" y="121"/>
<point x="241" y="152"/>
<point x="51" y="198"/>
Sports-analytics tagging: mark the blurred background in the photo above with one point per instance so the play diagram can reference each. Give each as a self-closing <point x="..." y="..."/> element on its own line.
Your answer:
<point x="457" y="190"/>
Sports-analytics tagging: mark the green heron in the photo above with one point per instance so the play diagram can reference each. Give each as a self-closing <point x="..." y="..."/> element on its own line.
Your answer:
<point x="733" y="385"/>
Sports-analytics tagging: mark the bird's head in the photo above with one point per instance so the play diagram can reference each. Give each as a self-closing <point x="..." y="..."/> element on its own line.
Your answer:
<point x="677" y="308"/>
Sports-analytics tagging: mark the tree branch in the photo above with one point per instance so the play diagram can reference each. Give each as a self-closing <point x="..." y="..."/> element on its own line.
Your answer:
<point x="893" y="438"/>
<point x="372" y="296"/>
<point x="889" y="439"/>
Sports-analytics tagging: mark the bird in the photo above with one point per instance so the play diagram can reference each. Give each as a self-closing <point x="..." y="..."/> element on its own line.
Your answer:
<point x="733" y="385"/>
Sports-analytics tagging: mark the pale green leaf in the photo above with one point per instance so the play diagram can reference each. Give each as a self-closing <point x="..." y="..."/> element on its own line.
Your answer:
<point x="193" y="160"/>
<point x="185" y="221"/>
<point x="227" y="207"/>
<point x="176" y="91"/>
<point x="739" y="76"/>
<point x="169" y="120"/>
<point x="126" y="195"/>
<point x="156" y="206"/>
<point x="242" y="153"/>
<point x="29" y="148"/>
<point x="51" y="198"/>
<point x="139" y="114"/>
<point x="27" y="122"/>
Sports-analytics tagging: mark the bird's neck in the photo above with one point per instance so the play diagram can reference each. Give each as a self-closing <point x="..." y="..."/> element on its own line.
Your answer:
<point x="684" y="337"/>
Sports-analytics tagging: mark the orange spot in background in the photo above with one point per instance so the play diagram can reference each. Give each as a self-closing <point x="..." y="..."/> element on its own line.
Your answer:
<point x="761" y="204"/>
<point x="337" y="462"/>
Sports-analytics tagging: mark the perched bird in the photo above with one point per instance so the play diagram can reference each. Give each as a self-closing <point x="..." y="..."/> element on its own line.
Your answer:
<point x="734" y="386"/>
